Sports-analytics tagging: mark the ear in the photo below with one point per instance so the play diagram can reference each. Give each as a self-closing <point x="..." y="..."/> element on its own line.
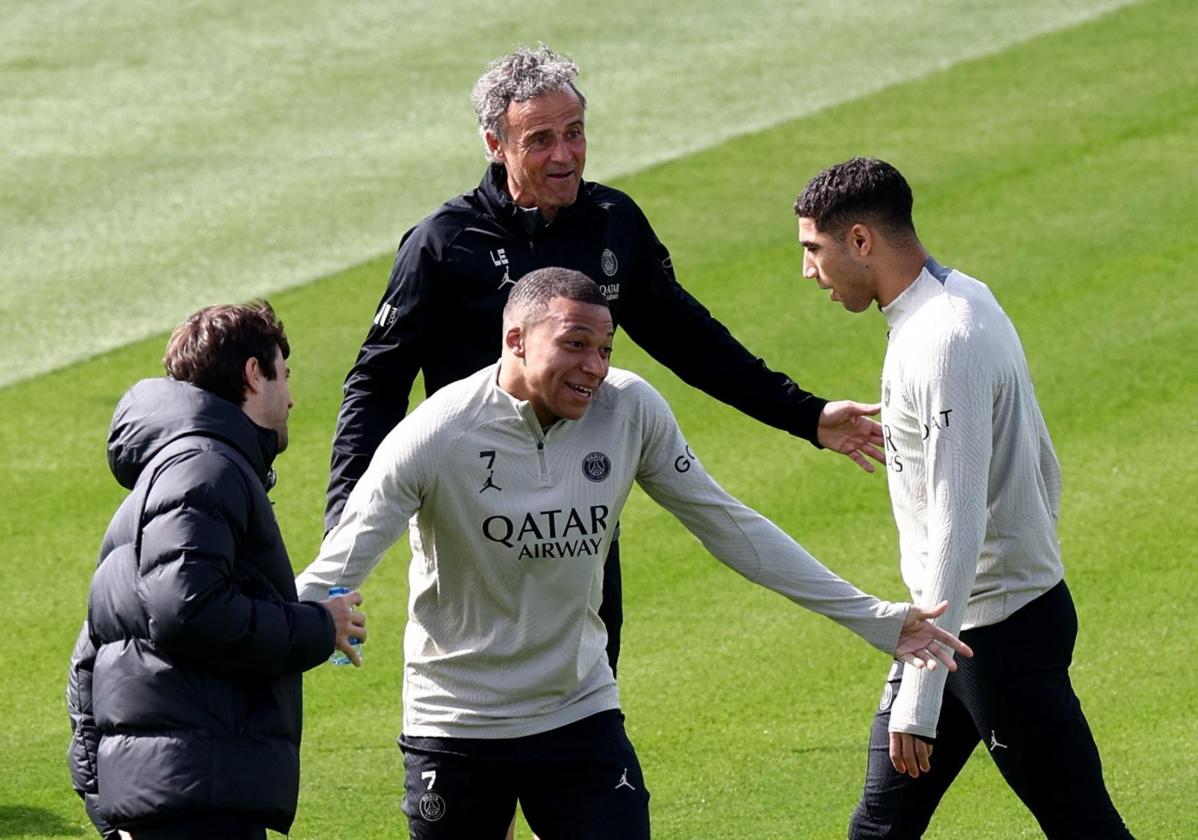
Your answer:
<point x="494" y="145"/>
<point x="253" y="375"/>
<point x="514" y="341"/>
<point x="861" y="239"/>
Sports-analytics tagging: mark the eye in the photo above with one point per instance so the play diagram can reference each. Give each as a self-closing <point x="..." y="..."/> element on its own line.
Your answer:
<point x="605" y="352"/>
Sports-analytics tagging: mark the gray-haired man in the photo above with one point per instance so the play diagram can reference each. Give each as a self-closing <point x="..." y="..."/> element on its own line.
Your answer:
<point x="442" y="311"/>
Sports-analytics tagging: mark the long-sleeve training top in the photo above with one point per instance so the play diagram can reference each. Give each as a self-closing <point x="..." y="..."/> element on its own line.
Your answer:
<point x="509" y="528"/>
<point x="974" y="482"/>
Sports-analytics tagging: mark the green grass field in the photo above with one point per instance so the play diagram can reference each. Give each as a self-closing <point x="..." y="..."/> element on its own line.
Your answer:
<point x="1060" y="170"/>
<point x="159" y="156"/>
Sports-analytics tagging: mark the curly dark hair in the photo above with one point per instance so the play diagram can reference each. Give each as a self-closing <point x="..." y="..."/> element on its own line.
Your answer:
<point x="859" y="190"/>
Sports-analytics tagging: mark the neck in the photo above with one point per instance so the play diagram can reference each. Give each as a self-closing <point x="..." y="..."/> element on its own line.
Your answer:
<point x="901" y="270"/>
<point x="547" y="213"/>
<point x="511" y="382"/>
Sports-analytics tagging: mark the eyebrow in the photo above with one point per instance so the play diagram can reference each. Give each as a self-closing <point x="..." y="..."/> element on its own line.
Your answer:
<point x="568" y="327"/>
<point x="548" y="128"/>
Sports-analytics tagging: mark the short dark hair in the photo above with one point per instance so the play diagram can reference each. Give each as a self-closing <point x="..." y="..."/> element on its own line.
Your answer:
<point x="529" y="299"/>
<point x="211" y="347"/>
<point x="861" y="189"/>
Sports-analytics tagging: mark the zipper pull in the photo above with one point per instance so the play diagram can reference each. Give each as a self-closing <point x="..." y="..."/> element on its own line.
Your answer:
<point x="545" y="479"/>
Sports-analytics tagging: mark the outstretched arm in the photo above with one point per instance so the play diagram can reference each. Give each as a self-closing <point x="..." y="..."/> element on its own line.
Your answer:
<point x="376" y="514"/>
<point x="756" y="548"/>
<point x="682" y="334"/>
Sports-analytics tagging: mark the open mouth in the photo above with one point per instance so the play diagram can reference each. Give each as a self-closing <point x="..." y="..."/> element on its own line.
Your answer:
<point x="580" y="390"/>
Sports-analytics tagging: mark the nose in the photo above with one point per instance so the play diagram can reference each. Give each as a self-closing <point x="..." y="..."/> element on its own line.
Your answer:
<point x="809" y="269"/>
<point x="595" y="364"/>
<point x="562" y="153"/>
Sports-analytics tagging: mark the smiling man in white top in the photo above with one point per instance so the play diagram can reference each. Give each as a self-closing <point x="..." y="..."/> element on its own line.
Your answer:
<point x="512" y="481"/>
<point x="976" y="489"/>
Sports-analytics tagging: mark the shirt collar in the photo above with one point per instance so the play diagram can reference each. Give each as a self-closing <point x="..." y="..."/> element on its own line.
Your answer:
<point x="927" y="285"/>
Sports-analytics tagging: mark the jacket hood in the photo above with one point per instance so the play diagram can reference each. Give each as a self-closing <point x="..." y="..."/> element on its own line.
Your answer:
<point x="155" y="412"/>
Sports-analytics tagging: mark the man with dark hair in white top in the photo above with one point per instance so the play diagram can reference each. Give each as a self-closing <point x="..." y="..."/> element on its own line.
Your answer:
<point x="513" y="480"/>
<point x="975" y="488"/>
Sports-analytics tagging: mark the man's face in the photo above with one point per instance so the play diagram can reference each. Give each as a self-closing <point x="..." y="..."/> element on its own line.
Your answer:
<point x="564" y="357"/>
<point x="833" y="264"/>
<point x="276" y="399"/>
<point x="545" y="150"/>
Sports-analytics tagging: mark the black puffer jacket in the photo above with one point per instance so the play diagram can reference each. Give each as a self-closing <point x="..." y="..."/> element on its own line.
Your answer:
<point x="185" y="691"/>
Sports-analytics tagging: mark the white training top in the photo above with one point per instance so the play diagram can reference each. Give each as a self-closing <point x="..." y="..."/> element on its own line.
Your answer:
<point x="510" y="529"/>
<point x="974" y="481"/>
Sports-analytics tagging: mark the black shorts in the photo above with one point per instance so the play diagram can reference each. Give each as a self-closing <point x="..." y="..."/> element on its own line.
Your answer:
<point x="1014" y="697"/>
<point x="581" y="781"/>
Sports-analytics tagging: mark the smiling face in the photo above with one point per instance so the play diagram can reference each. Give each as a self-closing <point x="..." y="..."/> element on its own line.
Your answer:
<point x="544" y="151"/>
<point x="838" y="263"/>
<point x="558" y="362"/>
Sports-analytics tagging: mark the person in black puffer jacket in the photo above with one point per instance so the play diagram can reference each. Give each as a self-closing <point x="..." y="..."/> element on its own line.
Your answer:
<point x="185" y="690"/>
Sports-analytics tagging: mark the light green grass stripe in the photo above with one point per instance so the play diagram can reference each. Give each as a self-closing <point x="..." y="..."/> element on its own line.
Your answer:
<point x="160" y="156"/>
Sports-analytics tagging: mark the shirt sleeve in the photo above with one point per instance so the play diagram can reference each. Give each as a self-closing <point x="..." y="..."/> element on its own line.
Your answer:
<point x="678" y="331"/>
<point x="745" y="540"/>
<point x="378" y="386"/>
<point x="376" y="514"/>
<point x="1050" y="468"/>
<point x="954" y="399"/>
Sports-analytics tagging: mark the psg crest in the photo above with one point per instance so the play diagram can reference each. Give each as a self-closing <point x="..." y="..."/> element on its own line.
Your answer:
<point x="432" y="806"/>
<point x="609" y="262"/>
<point x="596" y="466"/>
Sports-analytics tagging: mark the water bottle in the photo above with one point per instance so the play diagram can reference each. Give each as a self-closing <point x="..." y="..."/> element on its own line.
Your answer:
<point x="339" y="657"/>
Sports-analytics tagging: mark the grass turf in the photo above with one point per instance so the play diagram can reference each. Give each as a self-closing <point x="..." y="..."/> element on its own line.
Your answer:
<point x="1069" y="191"/>
<point x="159" y="156"/>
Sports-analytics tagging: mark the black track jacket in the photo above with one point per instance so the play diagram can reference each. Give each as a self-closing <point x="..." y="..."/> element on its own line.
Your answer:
<point x="442" y="314"/>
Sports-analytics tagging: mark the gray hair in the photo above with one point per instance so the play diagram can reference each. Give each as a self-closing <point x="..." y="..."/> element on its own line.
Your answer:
<point x="519" y="77"/>
<point x="529" y="299"/>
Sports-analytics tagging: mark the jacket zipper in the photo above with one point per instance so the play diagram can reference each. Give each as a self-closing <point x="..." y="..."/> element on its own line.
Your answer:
<point x="545" y="480"/>
<point x="534" y="425"/>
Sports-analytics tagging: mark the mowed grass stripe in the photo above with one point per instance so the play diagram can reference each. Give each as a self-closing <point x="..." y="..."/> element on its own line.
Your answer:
<point x="161" y="156"/>
<point x="749" y="714"/>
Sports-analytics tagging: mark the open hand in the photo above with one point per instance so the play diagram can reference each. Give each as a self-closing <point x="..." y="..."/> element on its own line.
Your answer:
<point x="923" y="644"/>
<point x="845" y="427"/>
